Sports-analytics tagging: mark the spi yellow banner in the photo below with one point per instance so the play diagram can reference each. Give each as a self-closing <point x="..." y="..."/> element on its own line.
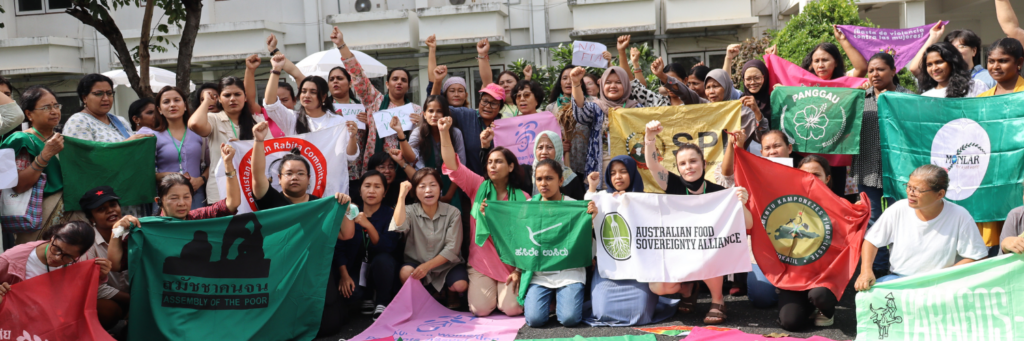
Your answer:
<point x="700" y="124"/>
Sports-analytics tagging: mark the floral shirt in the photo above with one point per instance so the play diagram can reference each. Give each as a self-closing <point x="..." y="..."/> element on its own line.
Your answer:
<point x="592" y="115"/>
<point x="372" y="100"/>
<point x="649" y="99"/>
<point x="86" y="127"/>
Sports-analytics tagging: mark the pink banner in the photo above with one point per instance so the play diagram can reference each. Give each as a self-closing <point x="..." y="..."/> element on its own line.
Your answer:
<point x="517" y="133"/>
<point x="415" y="316"/>
<point x="702" y="334"/>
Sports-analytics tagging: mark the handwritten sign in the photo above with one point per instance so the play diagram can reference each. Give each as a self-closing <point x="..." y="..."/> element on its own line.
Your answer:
<point x="350" y="112"/>
<point x="518" y="133"/>
<point x="585" y="53"/>
<point x="383" y="119"/>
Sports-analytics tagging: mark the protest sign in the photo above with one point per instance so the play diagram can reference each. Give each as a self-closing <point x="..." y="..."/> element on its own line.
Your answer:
<point x="585" y="53"/>
<point x="518" y="133"/>
<point x="902" y="43"/>
<point x="819" y="120"/>
<point x="382" y="119"/>
<point x="350" y="112"/>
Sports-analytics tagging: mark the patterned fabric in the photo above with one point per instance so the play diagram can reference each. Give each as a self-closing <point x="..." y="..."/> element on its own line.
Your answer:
<point x="33" y="217"/>
<point x="592" y="115"/>
<point x="575" y="140"/>
<point x="85" y="126"/>
<point x="867" y="166"/>
<point x="372" y="99"/>
<point x="646" y="97"/>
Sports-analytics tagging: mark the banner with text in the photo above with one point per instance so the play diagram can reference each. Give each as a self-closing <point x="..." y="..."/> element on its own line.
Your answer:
<point x="350" y="112"/>
<point x="59" y="305"/>
<point x="643" y="236"/>
<point x="263" y="273"/>
<point x="518" y="133"/>
<point x="819" y="120"/>
<point x="382" y="119"/>
<point x="977" y="301"/>
<point x="700" y="124"/>
<point x="902" y="43"/>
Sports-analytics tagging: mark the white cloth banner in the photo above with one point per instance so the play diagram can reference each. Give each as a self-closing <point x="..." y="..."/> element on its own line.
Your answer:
<point x="325" y="150"/>
<point x="670" y="238"/>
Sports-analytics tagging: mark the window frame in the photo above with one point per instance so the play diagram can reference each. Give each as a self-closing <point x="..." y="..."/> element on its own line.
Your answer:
<point x="45" y="8"/>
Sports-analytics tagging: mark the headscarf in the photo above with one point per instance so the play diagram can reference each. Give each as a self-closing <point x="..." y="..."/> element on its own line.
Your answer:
<point x="636" y="184"/>
<point x="763" y="97"/>
<point x="622" y="102"/>
<point x="452" y="81"/>
<point x="567" y="173"/>
<point x="722" y="78"/>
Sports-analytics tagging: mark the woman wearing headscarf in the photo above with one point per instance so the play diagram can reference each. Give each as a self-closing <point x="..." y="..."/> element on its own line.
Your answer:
<point x="619" y="303"/>
<point x="548" y="146"/>
<point x="615" y="89"/>
<point x="755" y="77"/>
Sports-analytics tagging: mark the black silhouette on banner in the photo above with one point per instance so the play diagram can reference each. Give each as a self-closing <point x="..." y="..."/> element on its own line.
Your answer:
<point x="249" y="263"/>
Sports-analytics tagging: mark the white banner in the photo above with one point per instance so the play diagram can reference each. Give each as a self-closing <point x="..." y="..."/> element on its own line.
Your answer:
<point x="670" y="238"/>
<point x="350" y="112"/>
<point x="325" y="150"/>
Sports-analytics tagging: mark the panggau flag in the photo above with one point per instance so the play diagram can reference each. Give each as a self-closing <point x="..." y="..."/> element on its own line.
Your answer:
<point x="670" y="238"/>
<point x="325" y="150"/>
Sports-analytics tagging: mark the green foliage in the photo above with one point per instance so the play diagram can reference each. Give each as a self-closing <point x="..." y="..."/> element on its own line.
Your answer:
<point x="907" y="80"/>
<point x="813" y="26"/>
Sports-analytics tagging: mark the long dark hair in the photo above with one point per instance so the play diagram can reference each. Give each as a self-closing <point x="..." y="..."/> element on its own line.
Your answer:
<point x="888" y="60"/>
<point x="351" y="94"/>
<point x="85" y="86"/>
<point x="30" y="97"/>
<point x="515" y="176"/>
<point x="831" y="49"/>
<point x="556" y="90"/>
<point x="75" y="233"/>
<point x="160" y="96"/>
<point x="408" y="92"/>
<point x="959" y="75"/>
<point x="426" y="137"/>
<point x="287" y="87"/>
<point x="326" y="103"/>
<point x="136" y="110"/>
<point x="969" y="38"/>
<point x="196" y="99"/>
<point x="171" y="180"/>
<point x="245" y="120"/>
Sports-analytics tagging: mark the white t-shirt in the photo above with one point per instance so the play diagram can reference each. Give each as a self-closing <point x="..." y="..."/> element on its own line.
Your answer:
<point x="977" y="87"/>
<point x="34" y="267"/>
<point x="922" y="246"/>
<point x="285" y="118"/>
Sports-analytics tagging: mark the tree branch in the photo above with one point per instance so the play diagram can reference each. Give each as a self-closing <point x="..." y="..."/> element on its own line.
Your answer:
<point x="97" y="17"/>
<point x="147" y="23"/>
<point x="193" y="12"/>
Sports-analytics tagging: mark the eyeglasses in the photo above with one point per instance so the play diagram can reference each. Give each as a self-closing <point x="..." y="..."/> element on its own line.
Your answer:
<point x="57" y="251"/>
<point x="101" y="94"/>
<point x="754" y="79"/>
<point x="524" y="95"/>
<point x="294" y="175"/>
<point x="489" y="104"/>
<point x="917" y="191"/>
<point x="49" y="107"/>
<point x="962" y="46"/>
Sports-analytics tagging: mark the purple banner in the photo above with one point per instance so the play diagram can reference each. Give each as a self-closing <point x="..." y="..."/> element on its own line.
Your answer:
<point x="903" y="43"/>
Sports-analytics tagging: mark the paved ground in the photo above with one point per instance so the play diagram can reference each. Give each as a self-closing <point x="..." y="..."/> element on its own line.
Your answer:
<point x="741" y="315"/>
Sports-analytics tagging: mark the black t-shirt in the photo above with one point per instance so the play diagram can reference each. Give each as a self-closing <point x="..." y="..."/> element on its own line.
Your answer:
<point x="676" y="186"/>
<point x="275" y="199"/>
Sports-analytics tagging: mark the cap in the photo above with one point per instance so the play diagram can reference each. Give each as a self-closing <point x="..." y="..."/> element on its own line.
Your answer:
<point x="96" y="197"/>
<point x="495" y="91"/>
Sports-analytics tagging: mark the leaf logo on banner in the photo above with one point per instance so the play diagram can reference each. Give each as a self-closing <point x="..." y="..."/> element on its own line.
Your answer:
<point x="615" y="237"/>
<point x="885" y="316"/>
<point x="961" y="148"/>
<point x="798" y="228"/>
<point x="526" y="135"/>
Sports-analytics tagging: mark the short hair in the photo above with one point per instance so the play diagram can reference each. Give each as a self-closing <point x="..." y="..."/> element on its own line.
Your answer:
<point x="85" y="85"/>
<point x="136" y="109"/>
<point x="420" y="176"/>
<point x="933" y="175"/>
<point x="969" y="38"/>
<point x="4" y="81"/>
<point x="372" y="173"/>
<point x="75" y="233"/>
<point x="832" y="50"/>
<point x="534" y="87"/>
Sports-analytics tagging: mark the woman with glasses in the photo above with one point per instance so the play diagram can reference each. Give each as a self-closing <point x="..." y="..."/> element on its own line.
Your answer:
<point x="34" y="150"/>
<point x="475" y="122"/>
<point x="95" y="122"/>
<point x="62" y="246"/>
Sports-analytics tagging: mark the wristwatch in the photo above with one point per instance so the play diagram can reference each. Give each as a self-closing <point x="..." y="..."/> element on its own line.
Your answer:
<point x="230" y="175"/>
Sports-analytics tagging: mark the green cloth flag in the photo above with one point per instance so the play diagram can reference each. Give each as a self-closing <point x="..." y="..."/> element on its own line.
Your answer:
<point x="819" y="120"/>
<point x="977" y="301"/>
<point x="251" y="276"/>
<point x="128" y="167"/>
<point x="538" y="235"/>
<point x="978" y="141"/>
<point x="645" y="337"/>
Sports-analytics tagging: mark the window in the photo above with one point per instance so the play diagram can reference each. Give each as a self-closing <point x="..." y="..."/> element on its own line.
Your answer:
<point x="42" y="6"/>
<point x="712" y="59"/>
<point x="70" y="105"/>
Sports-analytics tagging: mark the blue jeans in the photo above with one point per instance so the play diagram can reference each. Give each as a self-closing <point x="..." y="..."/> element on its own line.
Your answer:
<point x="881" y="263"/>
<point x="760" y="291"/>
<point x="889" y="277"/>
<point x="569" y="307"/>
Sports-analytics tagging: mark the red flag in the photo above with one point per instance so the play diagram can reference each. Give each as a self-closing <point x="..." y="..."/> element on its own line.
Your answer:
<point x="804" y="236"/>
<point x="60" y="305"/>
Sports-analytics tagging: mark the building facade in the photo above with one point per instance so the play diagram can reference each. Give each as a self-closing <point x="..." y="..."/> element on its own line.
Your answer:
<point x="43" y="45"/>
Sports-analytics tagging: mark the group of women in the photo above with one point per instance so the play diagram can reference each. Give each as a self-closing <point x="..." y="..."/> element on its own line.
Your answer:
<point x="417" y="196"/>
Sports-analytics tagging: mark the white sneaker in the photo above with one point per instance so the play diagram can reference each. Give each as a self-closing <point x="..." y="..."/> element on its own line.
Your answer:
<point x="367" y="307"/>
<point x="821" y="321"/>
<point x="377" y="312"/>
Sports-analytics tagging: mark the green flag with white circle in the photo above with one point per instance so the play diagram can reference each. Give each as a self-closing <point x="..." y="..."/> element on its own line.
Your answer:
<point x="819" y="120"/>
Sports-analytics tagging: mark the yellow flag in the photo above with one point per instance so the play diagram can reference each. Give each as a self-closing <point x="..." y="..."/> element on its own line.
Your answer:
<point x="700" y="124"/>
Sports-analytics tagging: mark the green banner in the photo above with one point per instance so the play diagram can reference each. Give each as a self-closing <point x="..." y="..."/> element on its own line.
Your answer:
<point x="819" y="120"/>
<point x="127" y="167"/>
<point x="251" y="276"/>
<point x="977" y="301"/>
<point x="539" y="235"/>
<point x="977" y="140"/>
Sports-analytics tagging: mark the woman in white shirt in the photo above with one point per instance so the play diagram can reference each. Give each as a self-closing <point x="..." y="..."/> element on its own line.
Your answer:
<point x="944" y="74"/>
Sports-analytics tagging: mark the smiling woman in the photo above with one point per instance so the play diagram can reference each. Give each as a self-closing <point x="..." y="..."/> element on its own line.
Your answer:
<point x="179" y="150"/>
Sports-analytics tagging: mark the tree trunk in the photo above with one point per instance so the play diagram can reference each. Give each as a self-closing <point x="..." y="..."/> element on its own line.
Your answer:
<point x="105" y="25"/>
<point x="147" y="27"/>
<point x="193" y="12"/>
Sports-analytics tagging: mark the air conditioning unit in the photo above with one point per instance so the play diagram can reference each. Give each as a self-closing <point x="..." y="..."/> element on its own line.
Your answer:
<point x="362" y="6"/>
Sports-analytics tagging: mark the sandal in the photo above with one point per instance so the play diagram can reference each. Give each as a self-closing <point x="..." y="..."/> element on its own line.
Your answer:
<point x="715" y="317"/>
<point x="687" y="304"/>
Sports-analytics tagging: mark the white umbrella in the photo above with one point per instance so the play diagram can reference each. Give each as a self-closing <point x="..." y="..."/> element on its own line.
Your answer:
<point x="321" y="63"/>
<point x="158" y="78"/>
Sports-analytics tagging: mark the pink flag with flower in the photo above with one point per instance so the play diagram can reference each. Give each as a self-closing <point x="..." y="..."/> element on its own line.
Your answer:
<point x="415" y="316"/>
<point x="517" y="133"/>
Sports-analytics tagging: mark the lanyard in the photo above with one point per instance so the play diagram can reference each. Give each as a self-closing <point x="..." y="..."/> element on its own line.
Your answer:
<point x="41" y="137"/>
<point x="180" y="147"/>
<point x="232" y="130"/>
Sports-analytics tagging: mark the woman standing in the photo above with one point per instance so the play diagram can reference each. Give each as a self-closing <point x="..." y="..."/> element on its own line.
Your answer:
<point x="178" y="149"/>
<point x="1005" y="58"/>
<point x="492" y="284"/>
<point x="143" y="113"/>
<point x="477" y="122"/>
<point x="507" y="80"/>
<point x="95" y="122"/>
<point x="619" y="303"/>
<point x="34" y="155"/>
<point x="577" y="135"/>
<point x="425" y="145"/>
<point x="615" y="91"/>
<point x="944" y="74"/>
<point x="690" y="164"/>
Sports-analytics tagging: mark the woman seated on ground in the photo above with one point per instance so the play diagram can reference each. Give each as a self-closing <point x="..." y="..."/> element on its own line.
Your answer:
<point x="691" y="165"/>
<point x="620" y="303"/>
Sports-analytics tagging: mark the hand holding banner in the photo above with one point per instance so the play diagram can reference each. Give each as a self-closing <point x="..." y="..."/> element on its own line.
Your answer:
<point x="382" y="119"/>
<point x="819" y="120"/>
<point x="350" y="112"/>
<point x="902" y="43"/>
<point x="518" y="133"/>
<point x="60" y="305"/>
<point x="585" y="53"/>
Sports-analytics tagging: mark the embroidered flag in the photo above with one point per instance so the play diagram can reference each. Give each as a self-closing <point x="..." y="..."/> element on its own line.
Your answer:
<point x="819" y="120"/>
